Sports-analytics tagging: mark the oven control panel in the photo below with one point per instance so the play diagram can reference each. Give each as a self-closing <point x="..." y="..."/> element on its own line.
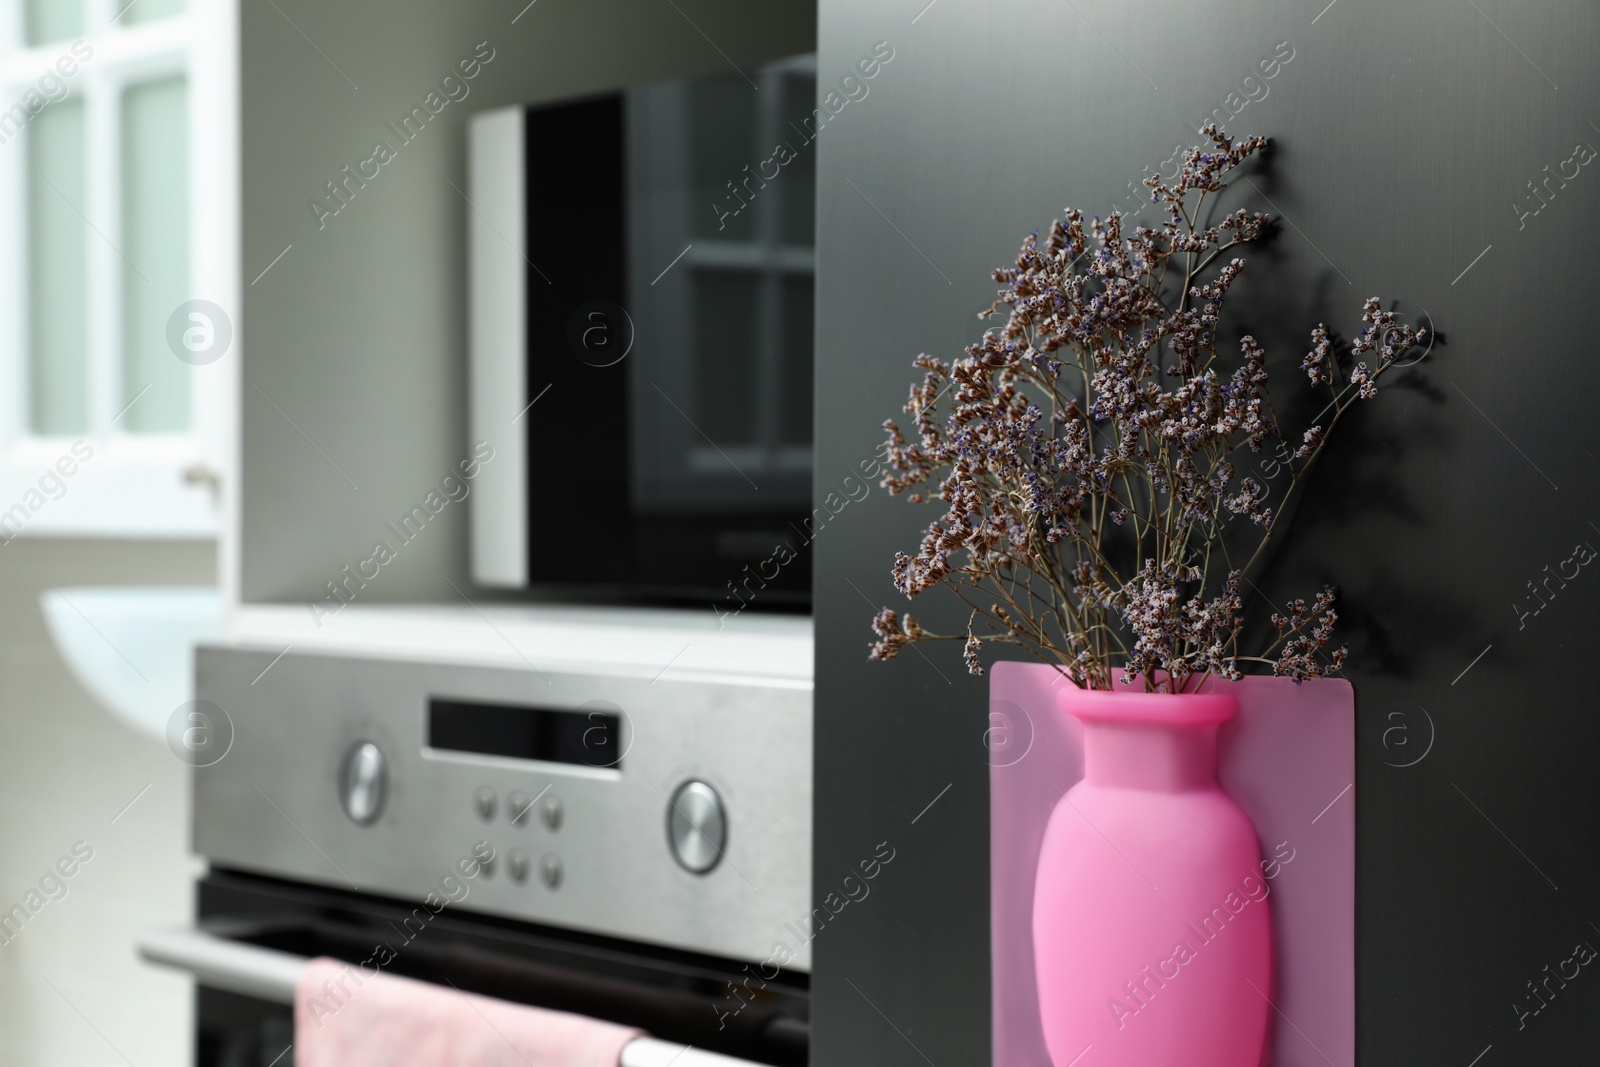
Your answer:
<point x="675" y="812"/>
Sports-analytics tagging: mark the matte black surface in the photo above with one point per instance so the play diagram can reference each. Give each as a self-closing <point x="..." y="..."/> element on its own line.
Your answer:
<point x="560" y="735"/>
<point x="1405" y="136"/>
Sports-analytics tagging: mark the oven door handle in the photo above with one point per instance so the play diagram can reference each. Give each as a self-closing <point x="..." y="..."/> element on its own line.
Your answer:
<point x="270" y="975"/>
<point x="261" y="973"/>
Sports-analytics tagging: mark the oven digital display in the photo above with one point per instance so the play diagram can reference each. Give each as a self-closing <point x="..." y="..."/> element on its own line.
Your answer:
<point x="585" y="737"/>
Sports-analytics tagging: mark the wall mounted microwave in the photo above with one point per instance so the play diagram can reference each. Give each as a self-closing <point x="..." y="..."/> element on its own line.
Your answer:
<point x="641" y="268"/>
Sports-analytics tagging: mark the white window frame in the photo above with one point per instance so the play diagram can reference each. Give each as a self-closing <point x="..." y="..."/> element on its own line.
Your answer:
<point x="145" y="485"/>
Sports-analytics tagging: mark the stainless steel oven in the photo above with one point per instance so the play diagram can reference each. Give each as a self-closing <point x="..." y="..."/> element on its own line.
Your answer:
<point x="623" y="847"/>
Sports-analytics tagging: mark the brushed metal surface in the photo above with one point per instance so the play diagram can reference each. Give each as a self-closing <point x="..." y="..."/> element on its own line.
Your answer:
<point x="274" y="805"/>
<point x="363" y="780"/>
<point x="697" y="826"/>
<point x="219" y="963"/>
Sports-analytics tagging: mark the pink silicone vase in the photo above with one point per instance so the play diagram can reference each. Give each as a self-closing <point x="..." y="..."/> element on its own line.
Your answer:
<point x="1152" y="933"/>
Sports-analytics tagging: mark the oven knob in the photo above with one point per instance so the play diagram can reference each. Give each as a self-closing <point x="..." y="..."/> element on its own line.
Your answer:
<point x="483" y="801"/>
<point x="517" y="864"/>
<point x="550" y="811"/>
<point x="550" y="870"/>
<point x="697" y="828"/>
<point x="517" y="805"/>
<point x="486" y="864"/>
<point x="363" y="778"/>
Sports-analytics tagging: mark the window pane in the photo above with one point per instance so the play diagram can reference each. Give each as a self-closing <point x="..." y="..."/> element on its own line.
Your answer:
<point x="148" y="10"/>
<point x="725" y="304"/>
<point x="799" y="175"/>
<point x="54" y="20"/>
<point x="58" y="271"/>
<point x="722" y="132"/>
<point x="155" y="235"/>
<point x="795" y="374"/>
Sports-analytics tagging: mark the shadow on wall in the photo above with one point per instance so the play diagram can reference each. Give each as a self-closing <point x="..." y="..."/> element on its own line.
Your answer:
<point x="1363" y="491"/>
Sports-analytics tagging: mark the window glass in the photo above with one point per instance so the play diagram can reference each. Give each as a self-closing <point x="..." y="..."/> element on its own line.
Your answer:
<point x="799" y="174"/>
<point x="58" y="236"/>
<point x="155" y="232"/>
<point x="725" y="306"/>
<point x="795" y="373"/>
<point x="54" y="20"/>
<point x="722" y="125"/>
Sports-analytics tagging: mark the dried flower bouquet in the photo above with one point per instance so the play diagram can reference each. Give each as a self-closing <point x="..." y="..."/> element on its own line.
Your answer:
<point x="1084" y="452"/>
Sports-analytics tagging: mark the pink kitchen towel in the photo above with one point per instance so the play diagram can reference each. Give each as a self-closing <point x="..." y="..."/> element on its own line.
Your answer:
<point x="345" y="1017"/>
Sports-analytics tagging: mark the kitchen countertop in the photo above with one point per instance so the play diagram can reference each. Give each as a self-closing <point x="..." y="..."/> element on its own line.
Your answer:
<point x="649" y="642"/>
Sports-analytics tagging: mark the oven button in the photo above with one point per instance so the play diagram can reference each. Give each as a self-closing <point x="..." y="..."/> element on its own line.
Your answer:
<point x="550" y="870"/>
<point x="485" y="851"/>
<point x="483" y="801"/>
<point x="517" y="864"/>
<point x="697" y="828"/>
<point x="363" y="778"/>
<point x="517" y="805"/>
<point x="550" y="812"/>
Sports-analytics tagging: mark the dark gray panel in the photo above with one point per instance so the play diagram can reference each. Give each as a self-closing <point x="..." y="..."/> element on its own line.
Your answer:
<point x="355" y="341"/>
<point x="1404" y="135"/>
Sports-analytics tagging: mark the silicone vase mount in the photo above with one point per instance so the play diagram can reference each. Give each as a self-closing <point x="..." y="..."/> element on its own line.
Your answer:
<point x="1151" y="919"/>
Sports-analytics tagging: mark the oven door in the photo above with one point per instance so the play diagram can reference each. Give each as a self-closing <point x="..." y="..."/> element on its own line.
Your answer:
<point x="256" y="934"/>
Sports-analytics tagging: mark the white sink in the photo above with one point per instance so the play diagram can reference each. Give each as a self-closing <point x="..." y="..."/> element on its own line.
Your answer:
<point x="133" y="646"/>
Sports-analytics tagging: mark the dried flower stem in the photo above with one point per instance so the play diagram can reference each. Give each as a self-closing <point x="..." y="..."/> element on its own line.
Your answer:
<point x="1086" y="504"/>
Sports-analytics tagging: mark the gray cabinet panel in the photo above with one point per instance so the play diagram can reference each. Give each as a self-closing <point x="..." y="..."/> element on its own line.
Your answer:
<point x="1405" y="136"/>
